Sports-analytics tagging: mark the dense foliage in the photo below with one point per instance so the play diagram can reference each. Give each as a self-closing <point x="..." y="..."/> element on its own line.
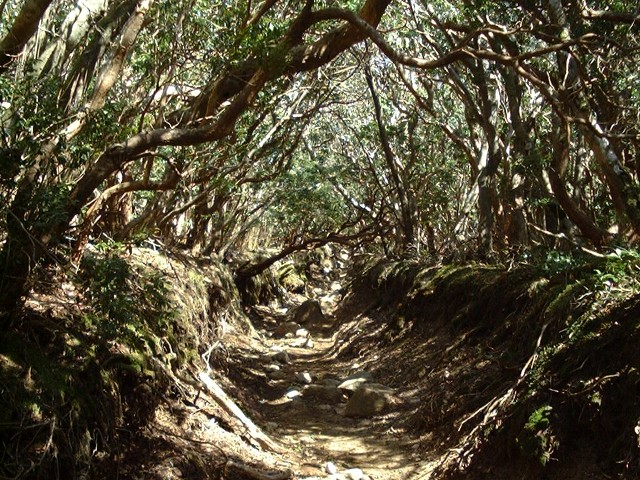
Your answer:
<point x="448" y="129"/>
<point x="455" y="128"/>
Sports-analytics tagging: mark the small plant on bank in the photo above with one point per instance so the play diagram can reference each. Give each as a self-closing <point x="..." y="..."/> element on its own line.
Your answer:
<point x="620" y="269"/>
<point x="130" y="303"/>
<point x="537" y="439"/>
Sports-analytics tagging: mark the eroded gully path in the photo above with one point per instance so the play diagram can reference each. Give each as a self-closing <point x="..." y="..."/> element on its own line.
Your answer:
<point x="295" y="378"/>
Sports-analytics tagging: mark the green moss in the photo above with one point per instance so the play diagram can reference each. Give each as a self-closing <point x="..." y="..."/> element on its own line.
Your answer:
<point x="562" y="297"/>
<point x="537" y="439"/>
<point x="291" y="278"/>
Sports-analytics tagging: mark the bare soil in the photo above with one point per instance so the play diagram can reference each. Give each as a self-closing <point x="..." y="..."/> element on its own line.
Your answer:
<point x="197" y="439"/>
<point x="455" y="359"/>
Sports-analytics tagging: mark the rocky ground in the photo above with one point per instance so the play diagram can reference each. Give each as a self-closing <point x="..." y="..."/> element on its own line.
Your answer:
<point x="334" y="412"/>
<point x="407" y="372"/>
<point x="319" y="410"/>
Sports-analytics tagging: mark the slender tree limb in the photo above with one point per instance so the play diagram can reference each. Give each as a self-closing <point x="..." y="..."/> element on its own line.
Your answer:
<point x="560" y="160"/>
<point x="230" y="407"/>
<point x="23" y="28"/>
<point x="407" y="221"/>
<point x="110" y="73"/>
<point x="608" y="15"/>
<point x="264" y="8"/>
<point x="251" y="270"/>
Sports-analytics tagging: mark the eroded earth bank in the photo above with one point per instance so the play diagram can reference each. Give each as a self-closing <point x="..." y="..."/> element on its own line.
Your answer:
<point x="324" y="368"/>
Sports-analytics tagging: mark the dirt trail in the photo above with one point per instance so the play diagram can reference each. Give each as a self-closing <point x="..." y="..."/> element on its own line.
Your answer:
<point x="193" y="436"/>
<point x="312" y="428"/>
<point x="453" y="360"/>
<point x="320" y="434"/>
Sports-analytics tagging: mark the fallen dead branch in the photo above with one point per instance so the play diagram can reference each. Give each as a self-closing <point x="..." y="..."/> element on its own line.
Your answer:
<point x="232" y="467"/>
<point x="230" y="407"/>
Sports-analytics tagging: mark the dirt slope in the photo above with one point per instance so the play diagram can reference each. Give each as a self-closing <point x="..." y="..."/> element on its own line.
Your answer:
<point x="485" y="373"/>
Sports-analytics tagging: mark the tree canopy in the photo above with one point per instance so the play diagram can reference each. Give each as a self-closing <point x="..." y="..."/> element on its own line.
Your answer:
<point x="444" y="128"/>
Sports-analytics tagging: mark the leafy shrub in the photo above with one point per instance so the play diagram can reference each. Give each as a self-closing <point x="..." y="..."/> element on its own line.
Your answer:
<point x="536" y="439"/>
<point x="130" y="304"/>
<point x="623" y="265"/>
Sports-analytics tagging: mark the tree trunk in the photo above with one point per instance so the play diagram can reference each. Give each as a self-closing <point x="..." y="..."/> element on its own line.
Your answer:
<point x="556" y="173"/>
<point x="23" y="28"/>
<point x="622" y="188"/>
<point x="18" y="257"/>
<point x="489" y="161"/>
<point x="75" y="28"/>
<point x="486" y="190"/>
<point x="407" y="222"/>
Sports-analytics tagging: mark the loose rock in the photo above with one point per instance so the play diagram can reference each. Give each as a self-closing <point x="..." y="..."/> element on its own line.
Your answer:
<point x="302" y="333"/>
<point x="323" y="393"/>
<point x="299" y="343"/>
<point x="292" y="394"/>
<point x="353" y="382"/>
<point x="309" y="313"/>
<point x="354" y="474"/>
<point x="361" y="374"/>
<point x="368" y="400"/>
<point x="330" y="468"/>
<point x="304" y="377"/>
<point x="281" y="357"/>
<point x="284" y="328"/>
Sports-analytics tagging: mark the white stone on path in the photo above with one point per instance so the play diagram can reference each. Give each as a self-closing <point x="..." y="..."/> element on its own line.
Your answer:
<point x="292" y="394"/>
<point x="304" y="377"/>
<point x="330" y="468"/>
<point x="353" y="474"/>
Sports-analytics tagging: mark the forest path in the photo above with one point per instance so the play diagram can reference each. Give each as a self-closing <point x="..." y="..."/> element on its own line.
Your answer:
<point x="300" y="406"/>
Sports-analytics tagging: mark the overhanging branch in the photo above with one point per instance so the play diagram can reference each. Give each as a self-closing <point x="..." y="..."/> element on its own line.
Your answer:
<point x="251" y="270"/>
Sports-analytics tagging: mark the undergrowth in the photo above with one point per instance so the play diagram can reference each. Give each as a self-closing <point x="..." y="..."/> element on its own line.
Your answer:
<point x="85" y="366"/>
<point x="544" y="370"/>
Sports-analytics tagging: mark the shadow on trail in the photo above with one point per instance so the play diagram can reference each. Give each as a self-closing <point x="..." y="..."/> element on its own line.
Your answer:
<point x="316" y="430"/>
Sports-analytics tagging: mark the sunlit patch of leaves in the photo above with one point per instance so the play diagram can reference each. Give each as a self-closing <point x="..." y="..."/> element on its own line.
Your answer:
<point x="129" y="305"/>
<point x="536" y="439"/>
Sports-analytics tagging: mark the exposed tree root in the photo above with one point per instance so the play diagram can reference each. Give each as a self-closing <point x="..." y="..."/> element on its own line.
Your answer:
<point x="231" y="468"/>
<point x="230" y="407"/>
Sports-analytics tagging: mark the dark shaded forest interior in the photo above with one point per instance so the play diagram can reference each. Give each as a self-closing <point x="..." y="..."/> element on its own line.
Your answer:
<point x="273" y="240"/>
